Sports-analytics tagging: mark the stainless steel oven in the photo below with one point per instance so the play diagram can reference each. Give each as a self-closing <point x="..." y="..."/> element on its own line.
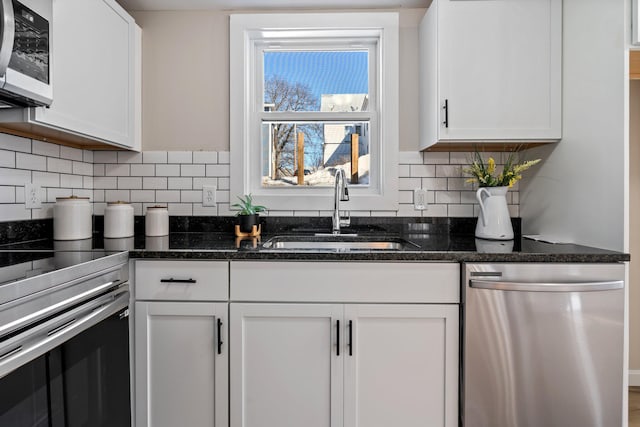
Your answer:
<point x="64" y="344"/>
<point x="25" y="53"/>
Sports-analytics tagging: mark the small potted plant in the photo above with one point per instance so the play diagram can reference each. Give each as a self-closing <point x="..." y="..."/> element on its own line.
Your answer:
<point x="248" y="213"/>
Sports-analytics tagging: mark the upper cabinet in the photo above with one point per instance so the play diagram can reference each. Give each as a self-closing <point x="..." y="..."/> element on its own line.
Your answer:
<point x="490" y="71"/>
<point x="96" y="79"/>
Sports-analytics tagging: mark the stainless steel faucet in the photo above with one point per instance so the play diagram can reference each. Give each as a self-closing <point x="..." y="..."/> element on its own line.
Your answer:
<point x="341" y="193"/>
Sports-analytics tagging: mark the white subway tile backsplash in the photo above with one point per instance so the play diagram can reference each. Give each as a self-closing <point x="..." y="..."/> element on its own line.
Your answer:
<point x="180" y="157"/>
<point x="180" y="183"/>
<point x="46" y="179"/>
<point x="154" y="157"/>
<point x="205" y="157"/>
<point x="31" y="162"/>
<point x="199" y="182"/>
<point x="218" y="170"/>
<point x="7" y="159"/>
<point x="180" y="209"/>
<point x="190" y="196"/>
<point x="71" y="153"/>
<point x="166" y="196"/>
<point x="71" y="181"/>
<point x="117" y="170"/>
<point x="434" y="158"/>
<point x="176" y="179"/>
<point x="155" y="183"/>
<point x="44" y="148"/>
<point x="199" y="210"/>
<point x="105" y="182"/>
<point x="129" y="157"/>
<point x="409" y="183"/>
<point x="143" y="170"/>
<point x="129" y="183"/>
<point x="447" y="197"/>
<point x="143" y="196"/>
<point x="8" y="194"/>
<point x="14" y="176"/>
<point x="105" y="157"/>
<point x="167" y="170"/>
<point x="192" y="170"/>
<point x="224" y="157"/>
<point x="14" y="212"/>
<point x="117" y="196"/>
<point x="59" y="165"/>
<point x="427" y="171"/>
<point x="15" y="143"/>
<point x="223" y="183"/>
<point x="80" y="192"/>
<point x="82" y="168"/>
<point x="87" y="156"/>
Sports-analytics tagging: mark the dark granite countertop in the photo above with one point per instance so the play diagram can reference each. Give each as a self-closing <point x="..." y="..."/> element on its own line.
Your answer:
<point x="434" y="239"/>
<point x="428" y="247"/>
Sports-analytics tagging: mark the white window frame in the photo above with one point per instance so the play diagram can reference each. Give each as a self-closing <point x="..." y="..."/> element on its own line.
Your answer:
<point x="250" y="34"/>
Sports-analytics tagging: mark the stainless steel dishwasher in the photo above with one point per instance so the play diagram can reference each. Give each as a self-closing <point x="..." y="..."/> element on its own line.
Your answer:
<point x="542" y="345"/>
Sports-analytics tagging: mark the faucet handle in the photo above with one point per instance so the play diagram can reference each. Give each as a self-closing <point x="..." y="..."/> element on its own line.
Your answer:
<point x="345" y="194"/>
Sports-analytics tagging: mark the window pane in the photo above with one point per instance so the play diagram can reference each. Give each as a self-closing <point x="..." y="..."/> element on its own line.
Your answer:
<point x="321" y="148"/>
<point x="316" y="80"/>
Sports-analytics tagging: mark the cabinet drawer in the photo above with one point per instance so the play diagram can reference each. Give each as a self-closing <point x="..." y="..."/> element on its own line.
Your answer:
<point x="182" y="280"/>
<point x="345" y="282"/>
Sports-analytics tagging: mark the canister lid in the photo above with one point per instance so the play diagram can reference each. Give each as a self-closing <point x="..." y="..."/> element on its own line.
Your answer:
<point x="156" y="207"/>
<point x="119" y="202"/>
<point x="72" y="198"/>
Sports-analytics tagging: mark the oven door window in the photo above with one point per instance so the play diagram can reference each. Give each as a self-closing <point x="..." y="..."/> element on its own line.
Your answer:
<point x="30" y="54"/>
<point x="24" y="396"/>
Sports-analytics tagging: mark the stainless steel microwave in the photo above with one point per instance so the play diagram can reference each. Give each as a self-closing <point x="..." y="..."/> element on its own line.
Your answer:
<point x="25" y="53"/>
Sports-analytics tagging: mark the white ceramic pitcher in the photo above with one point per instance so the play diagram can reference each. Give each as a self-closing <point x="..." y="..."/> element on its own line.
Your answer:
<point x="494" y="221"/>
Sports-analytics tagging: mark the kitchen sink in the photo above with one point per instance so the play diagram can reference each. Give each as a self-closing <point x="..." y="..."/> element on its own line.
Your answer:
<point x="340" y="243"/>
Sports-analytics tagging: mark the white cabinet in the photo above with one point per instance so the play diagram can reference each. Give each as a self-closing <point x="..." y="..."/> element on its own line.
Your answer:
<point x="490" y="70"/>
<point x="284" y="368"/>
<point x="401" y="365"/>
<point x="96" y="78"/>
<point x="181" y="366"/>
<point x="353" y="364"/>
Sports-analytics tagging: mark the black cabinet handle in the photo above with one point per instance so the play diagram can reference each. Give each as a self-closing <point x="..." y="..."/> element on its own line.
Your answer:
<point x="350" y="337"/>
<point x="219" y="336"/>
<point x="337" y="338"/>
<point x="446" y="113"/>
<point x="172" y="280"/>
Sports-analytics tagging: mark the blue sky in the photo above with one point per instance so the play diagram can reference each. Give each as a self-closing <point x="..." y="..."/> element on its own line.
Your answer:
<point x="324" y="72"/>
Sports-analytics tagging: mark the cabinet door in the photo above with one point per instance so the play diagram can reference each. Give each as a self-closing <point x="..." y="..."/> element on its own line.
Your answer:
<point x="181" y="370"/>
<point x="499" y="69"/>
<point x="94" y="65"/>
<point x="285" y="371"/>
<point x="401" y="365"/>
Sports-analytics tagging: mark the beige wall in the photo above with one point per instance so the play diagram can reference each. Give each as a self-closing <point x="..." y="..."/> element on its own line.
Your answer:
<point x="634" y="225"/>
<point x="185" y="79"/>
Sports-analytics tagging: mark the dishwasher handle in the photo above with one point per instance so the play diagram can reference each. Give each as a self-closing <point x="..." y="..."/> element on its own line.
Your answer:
<point x="499" y="285"/>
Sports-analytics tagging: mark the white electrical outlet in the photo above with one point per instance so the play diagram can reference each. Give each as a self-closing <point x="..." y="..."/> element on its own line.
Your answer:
<point x="32" y="199"/>
<point x="420" y="199"/>
<point x="209" y="195"/>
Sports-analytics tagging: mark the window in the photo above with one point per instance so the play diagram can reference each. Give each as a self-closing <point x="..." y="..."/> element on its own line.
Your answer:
<point x="311" y="94"/>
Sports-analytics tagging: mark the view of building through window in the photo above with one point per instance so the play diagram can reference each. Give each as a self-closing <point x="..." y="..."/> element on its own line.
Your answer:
<point x="308" y="152"/>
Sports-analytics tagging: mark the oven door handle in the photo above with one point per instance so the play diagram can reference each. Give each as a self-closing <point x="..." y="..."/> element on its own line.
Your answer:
<point x="8" y="30"/>
<point x="44" y="337"/>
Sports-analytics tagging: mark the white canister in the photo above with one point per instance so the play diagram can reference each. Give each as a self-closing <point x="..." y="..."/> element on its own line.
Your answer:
<point x="156" y="222"/>
<point x="118" y="220"/>
<point x="72" y="218"/>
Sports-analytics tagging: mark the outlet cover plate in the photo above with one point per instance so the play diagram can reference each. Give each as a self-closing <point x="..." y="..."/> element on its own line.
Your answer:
<point x="32" y="196"/>
<point x="209" y="195"/>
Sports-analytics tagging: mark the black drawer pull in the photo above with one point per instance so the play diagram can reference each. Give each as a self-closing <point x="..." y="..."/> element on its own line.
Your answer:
<point x="446" y="113"/>
<point x="337" y="338"/>
<point x="350" y="337"/>
<point x="219" y="336"/>
<point x="172" y="280"/>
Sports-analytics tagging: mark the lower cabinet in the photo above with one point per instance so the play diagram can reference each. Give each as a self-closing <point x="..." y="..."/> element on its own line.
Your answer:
<point x="181" y="364"/>
<point x="365" y="365"/>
